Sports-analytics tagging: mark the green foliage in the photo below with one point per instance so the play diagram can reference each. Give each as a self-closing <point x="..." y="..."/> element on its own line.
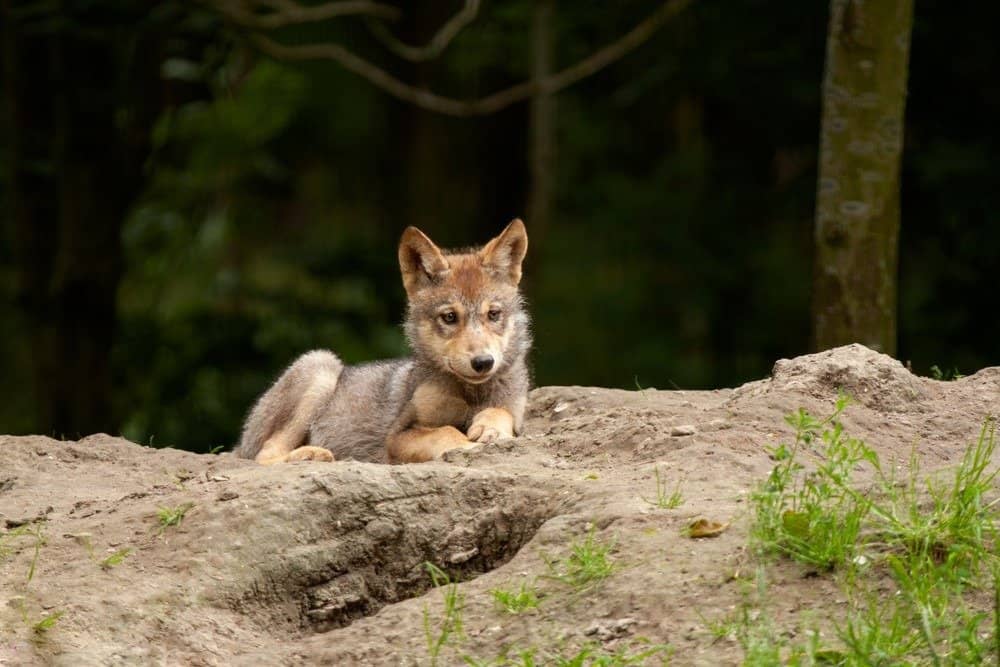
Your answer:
<point x="814" y="517"/>
<point x="8" y="538"/>
<point x="46" y="622"/>
<point x="438" y="633"/>
<point x="218" y="296"/>
<point x="106" y="563"/>
<point x="819" y="518"/>
<point x="589" y="562"/>
<point x="24" y="601"/>
<point x="115" y="559"/>
<point x="595" y="656"/>
<point x="515" y="601"/>
<point x="39" y="541"/>
<point x="945" y="376"/>
<point x="638" y="652"/>
<point x="664" y="498"/>
<point x="936" y="538"/>
<point x="172" y="516"/>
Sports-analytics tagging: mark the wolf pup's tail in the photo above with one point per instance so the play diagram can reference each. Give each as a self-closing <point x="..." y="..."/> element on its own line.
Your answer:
<point x="286" y="410"/>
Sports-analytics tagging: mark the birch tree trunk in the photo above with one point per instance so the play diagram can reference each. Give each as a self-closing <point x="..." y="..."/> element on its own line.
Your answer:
<point x="857" y="203"/>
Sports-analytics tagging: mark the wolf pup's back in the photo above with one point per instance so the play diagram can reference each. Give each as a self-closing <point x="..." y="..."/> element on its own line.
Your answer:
<point x="466" y="383"/>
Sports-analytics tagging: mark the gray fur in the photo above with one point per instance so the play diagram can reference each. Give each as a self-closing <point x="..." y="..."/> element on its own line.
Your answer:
<point x="353" y="411"/>
<point x="370" y="401"/>
<point x="354" y="420"/>
<point x="275" y="407"/>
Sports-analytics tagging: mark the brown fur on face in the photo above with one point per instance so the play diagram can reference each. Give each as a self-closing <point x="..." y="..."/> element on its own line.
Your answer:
<point x="460" y="302"/>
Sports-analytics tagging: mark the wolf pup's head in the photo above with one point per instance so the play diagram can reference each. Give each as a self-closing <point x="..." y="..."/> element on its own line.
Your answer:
<point x="465" y="314"/>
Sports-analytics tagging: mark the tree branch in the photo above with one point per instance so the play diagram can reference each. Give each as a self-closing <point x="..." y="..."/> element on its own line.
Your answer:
<point x="430" y="101"/>
<point x="436" y="45"/>
<point x="289" y="12"/>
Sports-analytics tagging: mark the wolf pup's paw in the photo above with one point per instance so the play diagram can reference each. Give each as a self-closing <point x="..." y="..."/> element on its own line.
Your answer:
<point x="490" y="425"/>
<point x="310" y="453"/>
<point x="480" y="433"/>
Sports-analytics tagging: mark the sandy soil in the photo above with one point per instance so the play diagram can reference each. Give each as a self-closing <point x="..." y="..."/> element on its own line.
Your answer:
<point x="312" y="563"/>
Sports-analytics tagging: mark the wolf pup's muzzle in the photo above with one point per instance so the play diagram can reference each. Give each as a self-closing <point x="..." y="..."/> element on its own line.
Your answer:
<point x="482" y="363"/>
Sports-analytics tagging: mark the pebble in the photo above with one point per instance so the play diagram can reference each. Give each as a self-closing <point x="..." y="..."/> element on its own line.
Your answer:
<point x="609" y="630"/>
<point x="683" y="429"/>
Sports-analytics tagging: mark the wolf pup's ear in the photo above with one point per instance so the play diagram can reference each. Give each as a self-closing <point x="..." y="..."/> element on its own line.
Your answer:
<point x="504" y="254"/>
<point x="420" y="261"/>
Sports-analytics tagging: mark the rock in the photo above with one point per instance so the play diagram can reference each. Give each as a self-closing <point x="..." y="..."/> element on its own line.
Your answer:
<point x="608" y="630"/>
<point x="682" y="430"/>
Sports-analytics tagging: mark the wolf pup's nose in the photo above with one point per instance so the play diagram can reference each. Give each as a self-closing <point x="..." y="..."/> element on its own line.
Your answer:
<point x="482" y="363"/>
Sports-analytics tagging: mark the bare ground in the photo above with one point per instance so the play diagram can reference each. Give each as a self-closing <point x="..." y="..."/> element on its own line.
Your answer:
<point x="312" y="563"/>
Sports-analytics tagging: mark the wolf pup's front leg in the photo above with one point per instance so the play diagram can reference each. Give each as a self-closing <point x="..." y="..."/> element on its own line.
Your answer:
<point x="505" y="421"/>
<point x="416" y="436"/>
<point x="424" y="443"/>
<point x="490" y="425"/>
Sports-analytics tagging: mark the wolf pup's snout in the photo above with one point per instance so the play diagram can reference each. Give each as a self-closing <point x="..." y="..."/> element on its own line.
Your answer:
<point x="482" y="363"/>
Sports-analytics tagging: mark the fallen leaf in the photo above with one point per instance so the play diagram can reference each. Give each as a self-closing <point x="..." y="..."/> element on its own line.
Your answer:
<point x="706" y="528"/>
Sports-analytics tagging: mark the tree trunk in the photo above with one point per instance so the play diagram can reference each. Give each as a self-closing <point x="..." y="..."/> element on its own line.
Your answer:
<point x="76" y="154"/>
<point x="857" y="204"/>
<point x="542" y="128"/>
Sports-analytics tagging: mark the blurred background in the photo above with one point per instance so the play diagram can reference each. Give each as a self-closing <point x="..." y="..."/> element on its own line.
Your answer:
<point x="189" y="202"/>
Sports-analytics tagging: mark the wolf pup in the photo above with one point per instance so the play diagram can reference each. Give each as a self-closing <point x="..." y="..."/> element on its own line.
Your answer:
<point x="466" y="383"/>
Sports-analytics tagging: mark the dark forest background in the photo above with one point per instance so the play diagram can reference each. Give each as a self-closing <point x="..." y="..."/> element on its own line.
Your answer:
<point x="248" y="208"/>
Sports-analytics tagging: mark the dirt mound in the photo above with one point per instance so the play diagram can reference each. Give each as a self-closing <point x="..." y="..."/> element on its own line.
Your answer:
<point x="873" y="379"/>
<point x="312" y="563"/>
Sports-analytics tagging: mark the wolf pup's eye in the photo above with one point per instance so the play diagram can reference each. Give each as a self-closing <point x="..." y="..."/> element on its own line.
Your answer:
<point x="450" y="317"/>
<point x="494" y="314"/>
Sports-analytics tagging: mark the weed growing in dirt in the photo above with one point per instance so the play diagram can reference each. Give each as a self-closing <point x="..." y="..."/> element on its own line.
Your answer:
<point x="39" y="542"/>
<point x="439" y="633"/>
<point x="590" y="655"/>
<point x="524" y="658"/>
<point x="37" y="627"/>
<point x="515" y="601"/>
<point x="115" y="559"/>
<point x="593" y="655"/>
<point x="664" y="499"/>
<point x="589" y="562"/>
<point x="763" y="644"/>
<point x="172" y="516"/>
<point x="7" y="539"/>
<point x="106" y="563"/>
<point x="46" y="623"/>
<point x="21" y="602"/>
<point x="935" y="538"/>
<point x="821" y="519"/>
<point x="813" y="517"/>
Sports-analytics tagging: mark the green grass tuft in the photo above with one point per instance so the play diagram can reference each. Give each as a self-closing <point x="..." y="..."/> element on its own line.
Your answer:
<point x="934" y="536"/>
<point x="515" y="601"/>
<point x="438" y="633"/>
<point x="588" y="563"/>
<point x="665" y="499"/>
<point x="172" y="516"/>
